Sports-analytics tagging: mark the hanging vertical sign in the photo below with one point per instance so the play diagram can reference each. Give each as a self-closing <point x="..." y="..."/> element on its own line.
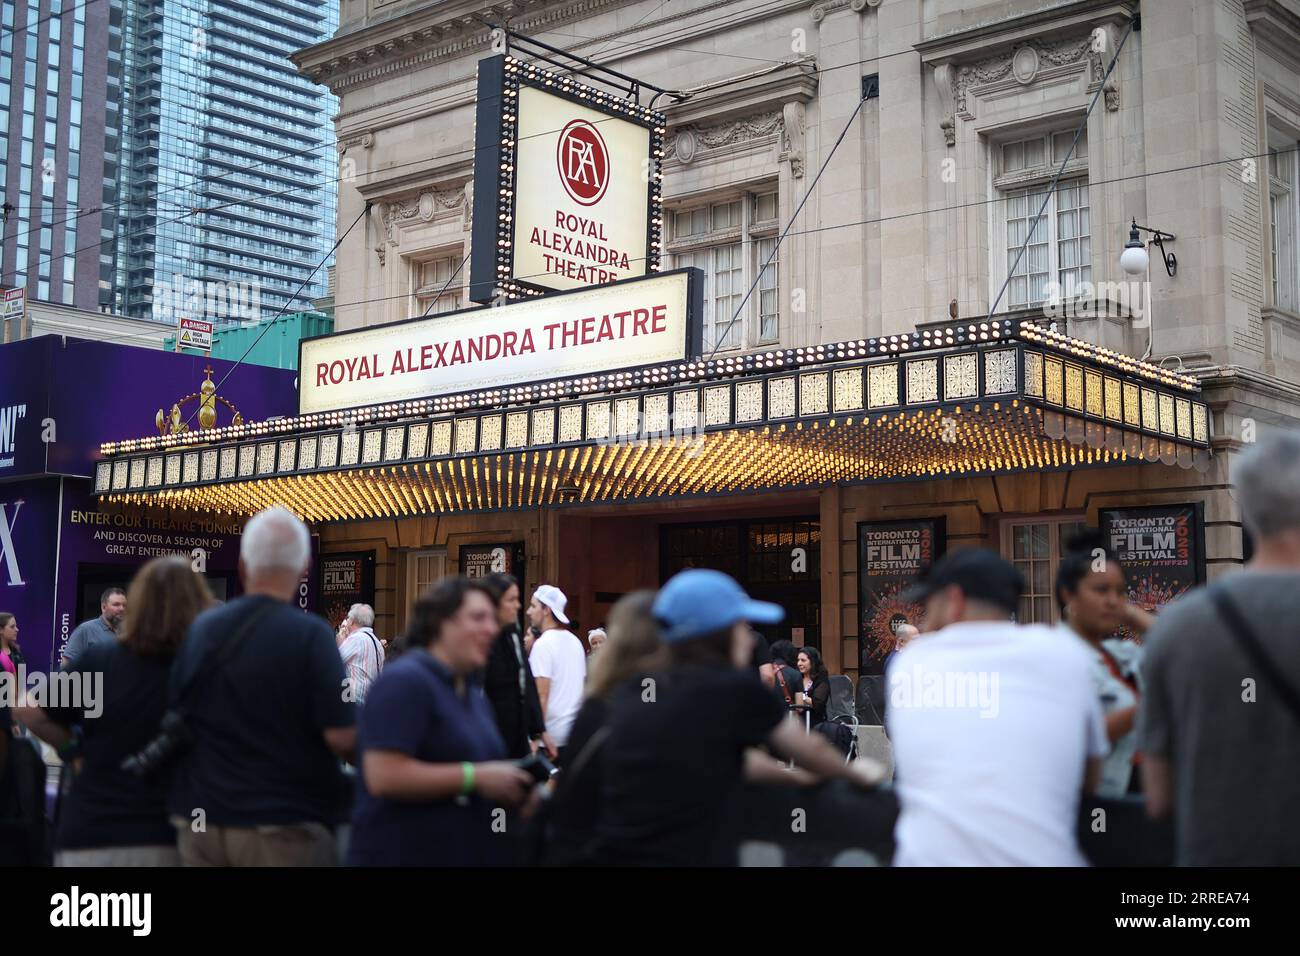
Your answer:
<point x="892" y="555"/>
<point x="1161" y="547"/>
<point x="567" y="184"/>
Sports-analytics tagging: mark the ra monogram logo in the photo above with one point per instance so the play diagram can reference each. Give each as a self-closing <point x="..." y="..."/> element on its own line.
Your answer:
<point x="583" y="161"/>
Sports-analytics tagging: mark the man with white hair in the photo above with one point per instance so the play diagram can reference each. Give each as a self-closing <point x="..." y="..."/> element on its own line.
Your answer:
<point x="260" y="688"/>
<point x="362" y="652"/>
<point x="1219" y="718"/>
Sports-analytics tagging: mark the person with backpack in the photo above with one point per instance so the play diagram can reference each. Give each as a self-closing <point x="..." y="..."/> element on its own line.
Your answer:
<point x="361" y="650"/>
<point x="787" y="681"/>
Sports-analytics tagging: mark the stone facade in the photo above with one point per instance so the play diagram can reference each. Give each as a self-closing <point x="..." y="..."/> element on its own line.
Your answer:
<point x="908" y="222"/>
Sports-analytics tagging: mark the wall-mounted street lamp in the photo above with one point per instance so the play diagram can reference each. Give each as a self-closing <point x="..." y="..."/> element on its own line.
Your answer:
<point x="1134" y="259"/>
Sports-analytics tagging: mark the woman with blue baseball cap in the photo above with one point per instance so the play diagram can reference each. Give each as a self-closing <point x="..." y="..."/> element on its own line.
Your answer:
<point x="681" y="739"/>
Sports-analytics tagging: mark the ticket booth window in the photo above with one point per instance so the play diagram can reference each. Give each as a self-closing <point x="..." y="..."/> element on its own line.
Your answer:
<point x="1035" y="546"/>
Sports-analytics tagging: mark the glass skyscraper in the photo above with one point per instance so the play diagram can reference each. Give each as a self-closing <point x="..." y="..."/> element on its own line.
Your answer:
<point x="165" y="159"/>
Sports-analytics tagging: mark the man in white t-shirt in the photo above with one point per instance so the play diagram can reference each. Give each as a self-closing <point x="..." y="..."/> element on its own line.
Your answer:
<point x="996" y="728"/>
<point x="559" y="664"/>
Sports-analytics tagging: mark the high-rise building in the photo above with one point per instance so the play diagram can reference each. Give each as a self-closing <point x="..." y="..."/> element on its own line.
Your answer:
<point x="60" y="88"/>
<point x="159" y="159"/>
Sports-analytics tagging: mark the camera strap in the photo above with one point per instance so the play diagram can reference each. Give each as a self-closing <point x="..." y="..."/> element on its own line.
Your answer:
<point x="216" y="659"/>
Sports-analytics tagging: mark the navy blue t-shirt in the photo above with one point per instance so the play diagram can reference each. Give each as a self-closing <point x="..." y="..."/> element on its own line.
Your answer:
<point x="107" y="807"/>
<point x="414" y="709"/>
<point x="259" y="756"/>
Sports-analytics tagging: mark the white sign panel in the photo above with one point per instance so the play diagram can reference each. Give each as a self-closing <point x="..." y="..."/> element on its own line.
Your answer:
<point x="644" y="322"/>
<point x="15" y="303"/>
<point x="196" y="334"/>
<point x="581" y="194"/>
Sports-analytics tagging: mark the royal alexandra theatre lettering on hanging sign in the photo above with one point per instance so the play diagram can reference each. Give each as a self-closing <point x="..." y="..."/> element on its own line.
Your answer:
<point x="647" y="321"/>
<point x="567" y="190"/>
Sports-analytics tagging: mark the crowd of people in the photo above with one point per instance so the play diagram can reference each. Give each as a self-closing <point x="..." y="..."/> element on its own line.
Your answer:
<point x="489" y="733"/>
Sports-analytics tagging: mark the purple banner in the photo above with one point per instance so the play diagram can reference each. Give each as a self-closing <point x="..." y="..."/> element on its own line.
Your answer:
<point x="29" y="524"/>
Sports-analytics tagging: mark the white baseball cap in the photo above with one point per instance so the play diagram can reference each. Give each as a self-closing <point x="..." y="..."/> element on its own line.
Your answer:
<point x="553" y="598"/>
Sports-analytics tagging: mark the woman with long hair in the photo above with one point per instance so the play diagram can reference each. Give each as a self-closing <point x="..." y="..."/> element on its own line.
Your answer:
<point x="631" y="645"/>
<point x="111" y="817"/>
<point x="1092" y="592"/>
<point x="508" y="680"/>
<point x="816" y="681"/>
<point x="11" y="655"/>
<point x="433" y="767"/>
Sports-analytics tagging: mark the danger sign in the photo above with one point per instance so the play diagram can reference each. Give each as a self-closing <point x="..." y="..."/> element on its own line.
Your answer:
<point x="196" y="334"/>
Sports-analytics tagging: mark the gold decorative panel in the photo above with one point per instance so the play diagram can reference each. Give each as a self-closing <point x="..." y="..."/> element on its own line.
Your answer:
<point x="417" y="440"/>
<point x="544" y="424"/>
<point x="442" y="437"/>
<point x="1034" y="374"/>
<point x="1094" y="400"/>
<point x="119" y="475"/>
<point x="307" y="453"/>
<point x="466" y="435"/>
<point x="1200" y="430"/>
<point x="882" y="384"/>
<point x="190" y="468"/>
<point x="960" y="376"/>
<point x="516" y="429"/>
<point x="597" y="421"/>
<point x="656" y="414"/>
<point x="848" y="389"/>
<point x="394" y="439"/>
<point x="626" y="413"/>
<point x="1073" y="387"/>
<point x="1132" y="406"/>
<point x="489" y="435"/>
<point x="717" y="405"/>
<point x="686" y="410"/>
<point x="922" y="382"/>
<point x="1183" y="417"/>
<point x="136" y="479"/>
<point x="208" y="465"/>
<point x="749" y="402"/>
<point x="247" y="463"/>
<point x="266" y="458"/>
<point x="155" y="470"/>
<point x="780" y="397"/>
<point x="329" y="451"/>
<point x="570" y="426"/>
<point x="1053" y="381"/>
<point x="103" y="476"/>
<point x="288" y="454"/>
<point x="372" y="446"/>
<point x="814" y="388"/>
<point x="1167" y="414"/>
<point x="1000" y="372"/>
<point x="350" y="447"/>
<point x="1149" y="419"/>
<point x="1114" y="399"/>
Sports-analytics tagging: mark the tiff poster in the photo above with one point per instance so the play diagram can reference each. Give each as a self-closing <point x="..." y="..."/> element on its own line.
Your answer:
<point x="1162" y="549"/>
<point x="891" y="556"/>
<point x="345" y="580"/>
<point x="480" y="560"/>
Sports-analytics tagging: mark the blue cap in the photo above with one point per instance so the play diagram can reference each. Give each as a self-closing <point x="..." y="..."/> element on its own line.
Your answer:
<point x="698" y="601"/>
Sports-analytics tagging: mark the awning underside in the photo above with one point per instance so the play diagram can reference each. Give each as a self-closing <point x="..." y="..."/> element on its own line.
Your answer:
<point x="992" y="437"/>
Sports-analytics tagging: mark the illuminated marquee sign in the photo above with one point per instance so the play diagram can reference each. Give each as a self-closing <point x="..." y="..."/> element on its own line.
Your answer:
<point x="567" y="184"/>
<point x="646" y="321"/>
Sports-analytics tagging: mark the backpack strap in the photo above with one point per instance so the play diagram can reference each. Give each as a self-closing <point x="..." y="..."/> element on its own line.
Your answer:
<point x="1250" y="643"/>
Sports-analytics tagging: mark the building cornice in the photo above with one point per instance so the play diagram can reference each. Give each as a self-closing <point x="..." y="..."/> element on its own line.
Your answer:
<point x="1275" y="28"/>
<point x="981" y="40"/>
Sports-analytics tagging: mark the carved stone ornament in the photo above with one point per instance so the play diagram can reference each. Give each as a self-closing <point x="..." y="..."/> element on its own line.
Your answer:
<point x="820" y="10"/>
<point x="1024" y="65"/>
<point x="792" y="137"/>
<point x="684" y="145"/>
<point x="422" y="208"/>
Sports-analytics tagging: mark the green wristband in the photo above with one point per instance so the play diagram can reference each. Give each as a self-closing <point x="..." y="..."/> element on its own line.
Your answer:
<point x="467" y="787"/>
